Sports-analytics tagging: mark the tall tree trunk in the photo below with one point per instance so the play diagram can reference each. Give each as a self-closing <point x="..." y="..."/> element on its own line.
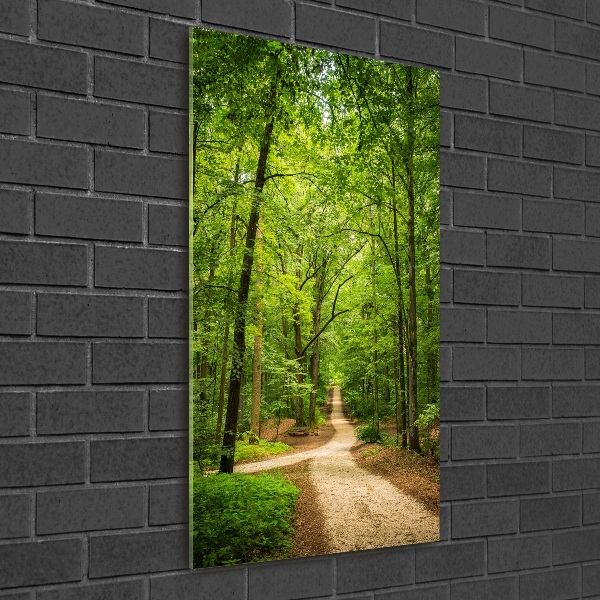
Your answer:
<point x="315" y="357"/>
<point x="431" y="355"/>
<point x="257" y="356"/>
<point x="375" y="352"/>
<point x="239" y="324"/>
<point x="300" y="421"/>
<point x="413" y="435"/>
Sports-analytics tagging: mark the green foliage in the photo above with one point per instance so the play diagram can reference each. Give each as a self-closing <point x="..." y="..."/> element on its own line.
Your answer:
<point x="368" y="433"/>
<point x="428" y="423"/>
<point x="246" y="452"/>
<point x="242" y="518"/>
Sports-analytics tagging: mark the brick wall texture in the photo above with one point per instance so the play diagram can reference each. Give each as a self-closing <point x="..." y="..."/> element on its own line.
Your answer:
<point x="93" y="300"/>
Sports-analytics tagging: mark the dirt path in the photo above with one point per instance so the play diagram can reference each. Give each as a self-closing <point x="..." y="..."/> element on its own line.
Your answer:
<point x="362" y="510"/>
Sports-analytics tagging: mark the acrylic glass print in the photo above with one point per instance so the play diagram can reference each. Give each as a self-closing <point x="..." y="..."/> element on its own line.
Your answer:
<point x="315" y="301"/>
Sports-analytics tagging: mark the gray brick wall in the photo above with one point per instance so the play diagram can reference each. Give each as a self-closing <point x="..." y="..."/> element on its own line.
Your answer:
<point x="93" y="301"/>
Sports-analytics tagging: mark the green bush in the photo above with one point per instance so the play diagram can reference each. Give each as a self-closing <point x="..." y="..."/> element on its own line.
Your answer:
<point x="244" y="451"/>
<point x="242" y="518"/>
<point x="367" y="433"/>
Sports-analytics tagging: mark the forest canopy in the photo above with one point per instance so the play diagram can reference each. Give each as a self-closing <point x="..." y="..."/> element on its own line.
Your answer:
<point x="315" y="241"/>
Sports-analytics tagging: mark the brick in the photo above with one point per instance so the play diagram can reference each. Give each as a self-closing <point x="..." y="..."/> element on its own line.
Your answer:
<point x="89" y="510"/>
<point x="556" y="512"/>
<point x="312" y="577"/>
<point x="137" y="459"/>
<point x="42" y="363"/>
<point x="14" y="111"/>
<point x="556" y="584"/>
<point x="462" y="403"/>
<point x="408" y="43"/>
<point x="487" y="287"/>
<point x="139" y="363"/>
<point x="575" y="546"/>
<point x="378" y="569"/>
<point x="446" y="126"/>
<point x="92" y="122"/>
<point x="474" y="56"/>
<point x="520" y="27"/>
<point x="577" y="111"/>
<point x="446" y="284"/>
<point x="176" y="8"/>
<point x="519" y="177"/>
<point x="464" y="482"/>
<point x="444" y="561"/>
<point x="484" y="441"/>
<point x="35" y="163"/>
<point x="139" y="175"/>
<point x="15" y="211"/>
<point x="591" y="437"/>
<point x="321" y="25"/>
<point x="592" y="220"/>
<point x="462" y="170"/>
<point x="168" y="410"/>
<point x="592" y="292"/>
<point x="25" y="465"/>
<point x="131" y="553"/>
<point x="497" y="588"/>
<point x="592" y="363"/>
<point x="14" y="17"/>
<point x="511" y="479"/>
<point x="168" y="318"/>
<point x="465" y="93"/>
<point x="460" y="15"/>
<point x="592" y="150"/>
<point x="462" y="324"/>
<point x="399" y="9"/>
<point x="577" y="39"/>
<point x="41" y="562"/>
<point x="168" y="132"/>
<point x="16" y="313"/>
<point x="43" y="263"/>
<point x="15" y="408"/>
<point x="590" y="580"/>
<point x="576" y="401"/>
<point x="552" y="364"/>
<point x="519" y="327"/>
<point x="574" y="9"/>
<point x="553" y="144"/>
<point x="122" y="590"/>
<point x="88" y="218"/>
<point x="169" y="41"/>
<point x="229" y="584"/>
<point x="14" y="516"/>
<point x="576" y="328"/>
<point x="91" y="27"/>
<point x="520" y="553"/>
<point x="143" y="83"/>
<point x="486" y="210"/>
<point x="559" y="291"/>
<point x="256" y="15"/>
<point x="169" y="504"/>
<point x="520" y="102"/>
<point x="462" y="247"/>
<point x="90" y="315"/>
<point x="140" y="268"/>
<point x="517" y="250"/>
<point x="484" y="518"/>
<point x="593" y="12"/>
<point x="486" y="363"/>
<point x="438" y="592"/>
<point x="557" y="72"/>
<point x="43" y="67"/>
<point x="526" y="402"/>
<point x="576" y="184"/>
<point x="168" y="224"/>
<point x="487" y="135"/>
<point x="575" y="474"/>
<point x="553" y="217"/>
<point x="89" y="412"/>
<point x="445" y="363"/>
<point x="575" y="255"/>
<point x="591" y="508"/>
<point x="550" y="439"/>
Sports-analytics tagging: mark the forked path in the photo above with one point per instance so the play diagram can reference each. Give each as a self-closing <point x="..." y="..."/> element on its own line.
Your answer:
<point x="362" y="510"/>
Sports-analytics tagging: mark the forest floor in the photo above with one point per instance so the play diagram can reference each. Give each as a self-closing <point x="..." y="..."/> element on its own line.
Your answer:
<point x="345" y="506"/>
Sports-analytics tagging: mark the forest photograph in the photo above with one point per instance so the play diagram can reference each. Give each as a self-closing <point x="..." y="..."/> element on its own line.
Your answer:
<point x="314" y="301"/>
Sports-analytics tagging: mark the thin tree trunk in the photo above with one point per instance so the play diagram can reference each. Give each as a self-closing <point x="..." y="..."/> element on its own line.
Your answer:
<point x="257" y="356"/>
<point x="315" y="356"/>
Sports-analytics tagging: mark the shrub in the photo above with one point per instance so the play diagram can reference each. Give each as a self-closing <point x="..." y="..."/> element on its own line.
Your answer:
<point x="242" y="518"/>
<point x="244" y="451"/>
<point x="368" y="433"/>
